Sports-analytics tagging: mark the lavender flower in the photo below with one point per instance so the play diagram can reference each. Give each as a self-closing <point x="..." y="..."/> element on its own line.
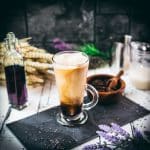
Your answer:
<point x="61" y="45"/>
<point x="136" y="133"/>
<point x="56" y="40"/>
<point x="96" y="146"/>
<point x="119" y="130"/>
<point x="105" y="128"/>
<point x="110" y="138"/>
<point x="119" y="139"/>
<point x="92" y="146"/>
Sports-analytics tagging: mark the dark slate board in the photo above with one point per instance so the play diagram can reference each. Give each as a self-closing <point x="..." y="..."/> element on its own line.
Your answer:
<point x="41" y="131"/>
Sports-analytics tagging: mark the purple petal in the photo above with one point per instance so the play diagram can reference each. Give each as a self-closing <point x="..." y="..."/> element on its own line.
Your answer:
<point x="119" y="130"/>
<point x="69" y="46"/>
<point x="57" y="40"/>
<point x="110" y="138"/>
<point x="92" y="147"/>
<point x="62" y="46"/>
<point x="137" y="134"/>
<point x="59" y="47"/>
<point x="105" y="128"/>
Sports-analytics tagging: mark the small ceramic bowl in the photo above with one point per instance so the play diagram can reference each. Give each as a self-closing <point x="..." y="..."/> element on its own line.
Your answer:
<point x="100" y="82"/>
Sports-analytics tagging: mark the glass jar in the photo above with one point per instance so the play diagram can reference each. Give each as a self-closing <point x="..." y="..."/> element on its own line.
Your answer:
<point x="15" y="74"/>
<point x="140" y="65"/>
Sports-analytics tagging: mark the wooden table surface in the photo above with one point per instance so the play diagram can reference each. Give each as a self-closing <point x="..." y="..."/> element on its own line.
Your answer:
<point x="41" y="98"/>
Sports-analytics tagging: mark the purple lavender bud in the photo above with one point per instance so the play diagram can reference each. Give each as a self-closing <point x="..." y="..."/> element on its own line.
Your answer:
<point x="137" y="134"/>
<point x="92" y="147"/>
<point x="66" y="46"/>
<point x="119" y="130"/>
<point x="62" y="46"/>
<point x="96" y="146"/>
<point x="69" y="47"/>
<point x="57" y="40"/>
<point x="105" y="128"/>
<point x="59" y="47"/>
<point x="110" y="138"/>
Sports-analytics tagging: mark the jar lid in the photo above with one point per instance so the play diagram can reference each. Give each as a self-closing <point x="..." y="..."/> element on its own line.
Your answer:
<point x="142" y="46"/>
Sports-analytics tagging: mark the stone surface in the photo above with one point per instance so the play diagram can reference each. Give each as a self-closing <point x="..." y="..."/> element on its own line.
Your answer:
<point x="12" y="16"/>
<point x="110" y="28"/>
<point x="112" y="6"/>
<point x="102" y="22"/>
<point x="140" y="27"/>
<point x="68" y="21"/>
<point x="140" y="7"/>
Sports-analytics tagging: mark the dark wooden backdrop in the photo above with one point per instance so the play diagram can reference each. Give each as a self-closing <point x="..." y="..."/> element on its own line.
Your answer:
<point x="76" y="21"/>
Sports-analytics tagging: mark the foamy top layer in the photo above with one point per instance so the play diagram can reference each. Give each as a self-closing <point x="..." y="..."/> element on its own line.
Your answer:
<point x="70" y="59"/>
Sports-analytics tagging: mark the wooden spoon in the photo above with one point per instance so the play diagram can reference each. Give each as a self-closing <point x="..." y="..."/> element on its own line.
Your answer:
<point x="113" y="82"/>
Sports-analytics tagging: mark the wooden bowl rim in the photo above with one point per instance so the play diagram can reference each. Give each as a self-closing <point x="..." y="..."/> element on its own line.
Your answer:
<point x="120" y="90"/>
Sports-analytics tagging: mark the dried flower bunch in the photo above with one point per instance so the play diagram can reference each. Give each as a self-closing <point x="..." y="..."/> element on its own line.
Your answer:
<point x="38" y="63"/>
<point x="116" y="138"/>
<point x="87" y="48"/>
<point x="60" y="45"/>
<point x="97" y="57"/>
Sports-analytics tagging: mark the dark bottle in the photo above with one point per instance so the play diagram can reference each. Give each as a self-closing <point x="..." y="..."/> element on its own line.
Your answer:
<point x="15" y="74"/>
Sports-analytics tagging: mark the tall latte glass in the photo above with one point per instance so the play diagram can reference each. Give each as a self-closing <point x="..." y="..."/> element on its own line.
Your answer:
<point x="70" y="69"/>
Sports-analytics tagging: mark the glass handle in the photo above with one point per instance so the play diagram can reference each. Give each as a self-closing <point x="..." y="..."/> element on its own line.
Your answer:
<point x="94" y="101"/>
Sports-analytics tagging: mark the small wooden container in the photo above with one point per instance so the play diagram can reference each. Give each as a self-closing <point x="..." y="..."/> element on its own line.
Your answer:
<point x="100" y="81"/>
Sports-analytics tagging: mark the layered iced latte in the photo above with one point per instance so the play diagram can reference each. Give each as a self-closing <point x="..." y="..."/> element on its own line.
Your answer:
<point x="71" y="71"/>
<point x="70" y="68"/>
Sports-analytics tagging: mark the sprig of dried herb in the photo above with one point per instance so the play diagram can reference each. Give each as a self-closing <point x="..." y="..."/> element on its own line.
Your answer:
<point x="89" y="49"/>
<point x="118" y="139"/>
<point x="60" y="45"/>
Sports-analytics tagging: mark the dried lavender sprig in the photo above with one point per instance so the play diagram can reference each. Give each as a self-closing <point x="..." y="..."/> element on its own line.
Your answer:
<point x="96" y="146"/>
<point x="119" y="130"/>
<point x="110" y="138"/>
<point x="57" y="40"/>
<point x="92" y="146"/>
<point x="105" y="128"/>
<point x="136" y="133"/>
<point x="61" y="45"/>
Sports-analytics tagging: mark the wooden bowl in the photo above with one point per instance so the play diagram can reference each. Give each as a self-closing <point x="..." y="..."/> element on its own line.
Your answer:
<point x="100" y="82"/>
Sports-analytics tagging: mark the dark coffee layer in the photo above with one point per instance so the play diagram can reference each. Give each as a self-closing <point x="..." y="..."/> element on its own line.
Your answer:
<point x="71" y="110"/>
